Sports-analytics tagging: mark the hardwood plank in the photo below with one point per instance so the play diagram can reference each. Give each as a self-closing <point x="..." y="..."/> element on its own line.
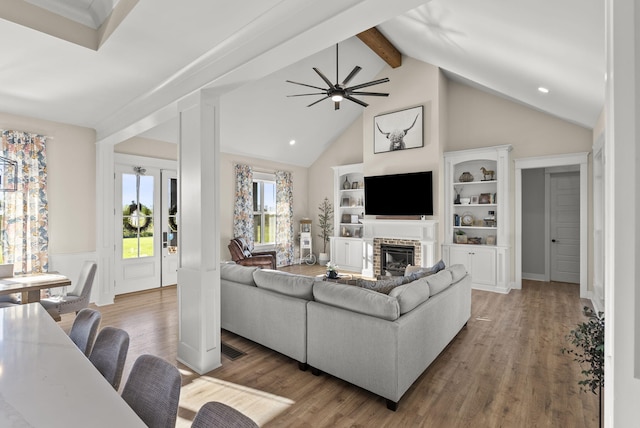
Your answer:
<point x="504" y="369"/>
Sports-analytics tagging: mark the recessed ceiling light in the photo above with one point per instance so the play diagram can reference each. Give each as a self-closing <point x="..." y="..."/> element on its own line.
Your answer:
<point x="543" y="90"/>
<point x="292" y="142"/>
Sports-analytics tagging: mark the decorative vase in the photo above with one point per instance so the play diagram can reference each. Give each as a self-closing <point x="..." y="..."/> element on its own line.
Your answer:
<point x="323" y="258"/>
<point x="332" y="274"/>
<point x="346" y="185"/>
<point x="466" y="177"/>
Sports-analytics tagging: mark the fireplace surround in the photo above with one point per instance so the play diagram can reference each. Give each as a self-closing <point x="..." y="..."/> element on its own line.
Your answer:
<point x="421" y="234"/>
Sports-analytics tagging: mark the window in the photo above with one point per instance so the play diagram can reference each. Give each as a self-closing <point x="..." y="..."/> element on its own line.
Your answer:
<point x="264" y="209"/>
<point x="137" y="216"/>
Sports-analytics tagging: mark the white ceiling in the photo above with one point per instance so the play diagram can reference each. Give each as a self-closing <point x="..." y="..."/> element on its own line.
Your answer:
<point x="163" y="51"/>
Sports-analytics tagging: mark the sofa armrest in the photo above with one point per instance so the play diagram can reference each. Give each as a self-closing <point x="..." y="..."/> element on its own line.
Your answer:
<point x="265" y="262"/>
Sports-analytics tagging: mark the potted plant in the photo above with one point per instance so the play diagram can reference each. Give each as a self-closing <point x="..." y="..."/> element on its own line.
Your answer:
<point x="325" y="222"/>
<point x="332" y="270"/>
<point x="588" y="341"/>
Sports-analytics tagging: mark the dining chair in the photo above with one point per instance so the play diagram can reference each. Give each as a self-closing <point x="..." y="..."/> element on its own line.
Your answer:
<point x="153" y="391"/>
<point x="84" y="329"/>
<point x="109" y="354"/>
<point x="76" y="299"/>
<point x="219" y="415"/>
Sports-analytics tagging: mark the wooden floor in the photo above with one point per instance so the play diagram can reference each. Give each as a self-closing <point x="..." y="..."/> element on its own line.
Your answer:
<point x="504" y="369"/>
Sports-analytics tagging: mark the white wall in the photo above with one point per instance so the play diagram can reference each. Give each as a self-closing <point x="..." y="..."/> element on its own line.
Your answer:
<point x="71" y="182"/>
<point x="147" y="147"/>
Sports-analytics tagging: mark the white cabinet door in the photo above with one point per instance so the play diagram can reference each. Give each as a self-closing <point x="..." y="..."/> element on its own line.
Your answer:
<point x="480" y="263"/>
<point x="459" y="256"/>
<point x="347" y="254"/>
<point x="483" y="269"/>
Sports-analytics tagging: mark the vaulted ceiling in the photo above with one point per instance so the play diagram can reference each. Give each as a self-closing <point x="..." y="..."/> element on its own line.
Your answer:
<point x="163" y="50"/>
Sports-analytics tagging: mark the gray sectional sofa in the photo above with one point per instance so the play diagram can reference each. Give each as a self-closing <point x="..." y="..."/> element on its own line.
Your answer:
<point x="379" y="342"/>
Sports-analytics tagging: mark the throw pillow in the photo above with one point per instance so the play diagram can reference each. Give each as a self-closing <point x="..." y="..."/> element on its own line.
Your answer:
<point x="383" y="286"/>
<point x="438" y="266"/>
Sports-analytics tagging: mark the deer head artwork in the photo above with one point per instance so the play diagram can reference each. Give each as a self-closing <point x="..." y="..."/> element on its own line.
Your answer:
<point x="396" y="137"/>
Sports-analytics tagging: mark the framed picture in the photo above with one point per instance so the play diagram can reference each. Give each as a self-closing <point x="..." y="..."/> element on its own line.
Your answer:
<point x="354" y="218"/>
<point x="345" y="202"/>
<point x="474" y="199"/>
<point x="398" y="130"/>
<point x="491" y="240"/>
<point x="355" y="185"/>
<point x="485" y="198"/>
<point x="346" y="218"/>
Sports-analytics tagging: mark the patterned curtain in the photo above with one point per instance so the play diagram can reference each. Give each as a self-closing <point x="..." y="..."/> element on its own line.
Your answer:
<point x="284" y="218"/>
<point x="25" y="233"/>
<point x="243" y="210"/>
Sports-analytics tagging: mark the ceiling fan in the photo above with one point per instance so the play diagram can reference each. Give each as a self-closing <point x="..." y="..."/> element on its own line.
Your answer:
<point x="339" y="91"/>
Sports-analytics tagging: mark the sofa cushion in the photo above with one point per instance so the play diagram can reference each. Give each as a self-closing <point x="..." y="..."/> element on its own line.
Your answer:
<point x="383" y="286"/>
<point x="299" y="286"/>
<point x="238" y="273"/>
<point x="439" y="281"/>
<point x="457" y="272"/>
<point x="412" y="294"/>
<point x="357" y="299"/>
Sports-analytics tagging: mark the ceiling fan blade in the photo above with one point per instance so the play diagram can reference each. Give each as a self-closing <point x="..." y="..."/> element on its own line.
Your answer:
<point x="304" y="95"/>
<point x="351" y="75"/>
<point x="350" y="98"/>
<point x="374" y="94"/>
<point x="316" y="102"/>
<point x="327" y="81"/>
<point x="336" y="105"/>
<point x="364" y="85"/>
<point x="304" y="84"/>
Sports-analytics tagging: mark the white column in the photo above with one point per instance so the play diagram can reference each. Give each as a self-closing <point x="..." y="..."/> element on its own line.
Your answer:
<point x="199" y="235"/>
<point x="622" y="200"/>
<point x="104" y="286"/>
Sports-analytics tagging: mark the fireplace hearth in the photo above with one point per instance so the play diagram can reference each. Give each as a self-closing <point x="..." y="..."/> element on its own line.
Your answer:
<point x="394" y="259"/>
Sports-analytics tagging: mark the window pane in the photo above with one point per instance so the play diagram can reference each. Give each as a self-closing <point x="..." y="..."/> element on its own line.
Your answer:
<point x="269" y="196"/>
<point x="146" y="246"/>
<point x="270" y="228"/>
<point x="256" y="196"/>
<point x="129" y="247"/>
<point x="257" y="228"/>
<point x="137" y="216"/>
<point x="146" y="191"/>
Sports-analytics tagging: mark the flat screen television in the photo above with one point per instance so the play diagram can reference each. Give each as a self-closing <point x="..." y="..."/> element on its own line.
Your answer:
<point x="399" y="194"/>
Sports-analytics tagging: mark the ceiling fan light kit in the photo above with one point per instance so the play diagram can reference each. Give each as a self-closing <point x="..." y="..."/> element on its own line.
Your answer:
<point x="340" y="91"/>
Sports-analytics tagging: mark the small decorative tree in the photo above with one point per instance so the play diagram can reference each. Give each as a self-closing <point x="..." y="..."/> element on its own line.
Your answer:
<point x="588" y="340"/>
<point x="325" y="221"/>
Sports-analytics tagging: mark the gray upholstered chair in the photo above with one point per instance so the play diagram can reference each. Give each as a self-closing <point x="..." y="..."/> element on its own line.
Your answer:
<point x="153" y="391"/>
<point x="84" y="329"/>
<point x="219" y="415"/>
<point x="109" y="354"/>
<point x="76" y="299"/>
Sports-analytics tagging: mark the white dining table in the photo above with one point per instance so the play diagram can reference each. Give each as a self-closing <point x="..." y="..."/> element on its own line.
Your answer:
<point x="45" y="381"/>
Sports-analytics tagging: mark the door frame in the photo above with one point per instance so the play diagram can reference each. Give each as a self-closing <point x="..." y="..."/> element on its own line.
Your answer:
<point x="159" y="164"/>
<point x="580" y="159"/>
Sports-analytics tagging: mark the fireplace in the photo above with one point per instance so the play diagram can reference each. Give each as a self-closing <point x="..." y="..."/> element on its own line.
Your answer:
<point x="419" y="234"/>
<point x="394" y="259"/>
